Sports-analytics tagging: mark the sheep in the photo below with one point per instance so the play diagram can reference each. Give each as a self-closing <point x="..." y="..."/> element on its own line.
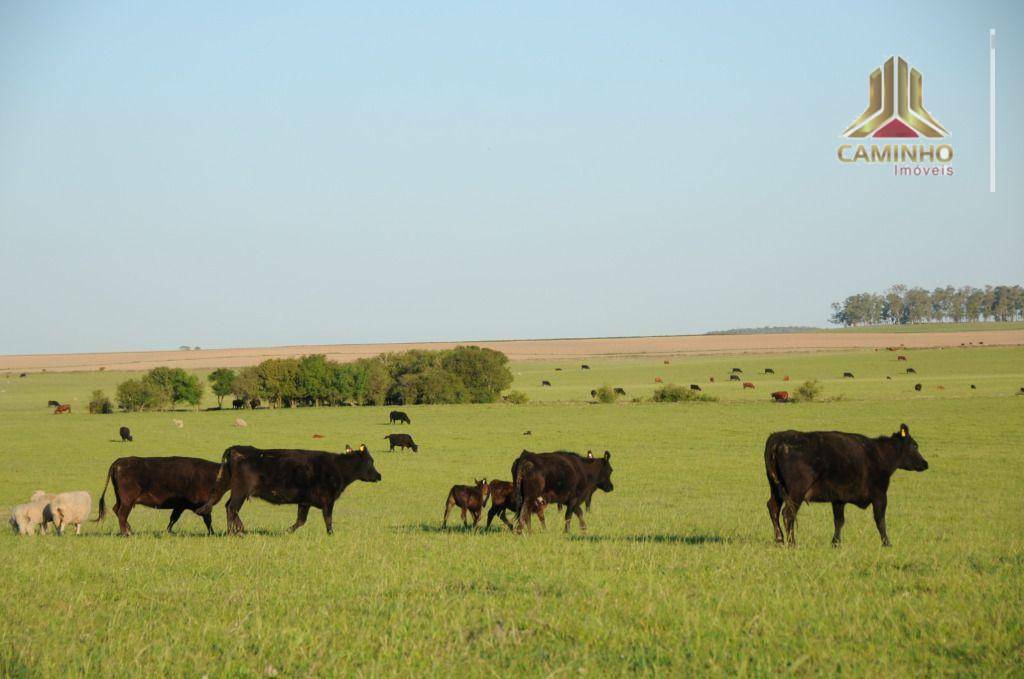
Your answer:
<point x="70" y="508"/>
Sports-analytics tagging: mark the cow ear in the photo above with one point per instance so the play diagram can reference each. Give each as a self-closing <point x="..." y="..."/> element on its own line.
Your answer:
<point x="362" y="447"/>
<point x="590" y="454"/>
<point x="904" y="431"/>
<point x="607" y="455"/>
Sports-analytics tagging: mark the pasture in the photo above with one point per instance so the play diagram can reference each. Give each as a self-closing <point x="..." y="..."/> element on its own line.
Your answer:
<point x="677" y="574"/>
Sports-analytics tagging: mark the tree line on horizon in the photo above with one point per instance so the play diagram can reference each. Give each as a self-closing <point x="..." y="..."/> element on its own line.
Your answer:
<point x="900" y="305"/>
<point x="465" y="374"/>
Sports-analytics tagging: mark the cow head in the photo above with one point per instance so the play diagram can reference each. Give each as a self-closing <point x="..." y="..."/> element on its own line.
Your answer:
<point x="908" y="455"/>
<point x="485" y="488"/>
<point x="604" y="478"/>
<point x="366" y="471"/>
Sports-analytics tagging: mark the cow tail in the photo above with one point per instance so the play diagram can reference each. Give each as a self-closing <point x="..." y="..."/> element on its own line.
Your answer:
<point x="771" y="467"/>
<point x="521" y="468"/>
<point x="220" y="484"/>
<point x="103" y="502"/>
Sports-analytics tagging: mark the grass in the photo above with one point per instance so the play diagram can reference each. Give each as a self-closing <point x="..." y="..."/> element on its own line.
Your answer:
<point x="677" y="574"/>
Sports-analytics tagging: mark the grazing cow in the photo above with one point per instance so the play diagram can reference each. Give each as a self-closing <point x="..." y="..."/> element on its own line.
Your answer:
<point x="832" y="466"/>
<point x="398" y="416"/>
<point x="239" y="422"/>
<point x="620" y="391"/>
<point x="175" y="483"/>
<point x="545" y="383"/>
<point x="584" y="367"/>
<point x="781" y="396"/>
<point x="911" y="371"/>
<point x="657" y="380"/>
<point x="785" y="378"/>
<point x="23" y="375"/>
<point x="734" y="378"/>
<point x="527" y="433"/>
<point x="562" y="477"/>
<point x="25" y="517"/>
<point x="769" y="371"/>
<point x="695" y="387"/>
<point x="748" y="385"/>
<point x="65" y="408"/>
<point x="126" y="434"/>
<point x="180" y="424"/>
<point x="503" y="499"/>
<point x="736" y="370"/>
<point x="307" y="478"/>
<point x="238" y="403"/>
<point x="52" y="404"/>
<point x="401" y="441"/>
<point x="901" y="358"/>
<point x="666" y="362"/>
<point x="467" y="498"/>
<point x="318" y="436"/>
<point x="973" y="387"/>
<point x="593" y="393"/>
<point x="711" y="379"/>
<point x="940" y="388"/>
<point x="917" y="387"/>
<point x="254" y="403"/>
<point x="888" y="377"/>
<point x="848" y="375"/>
<point x="70" y="508"/>
<point x="558" y="370"/>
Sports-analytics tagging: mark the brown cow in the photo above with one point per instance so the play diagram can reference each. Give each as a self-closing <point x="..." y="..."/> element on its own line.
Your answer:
<point x="471" y="498"/>
<point x="503" y="495"/>
<point x="901" y="358"/>
<point x="748" y="385"/>
<point x="657" y="380"/>
<point x="66" y="408"/>
<point x="781" y="396"/>
<point x="785" y="378"/>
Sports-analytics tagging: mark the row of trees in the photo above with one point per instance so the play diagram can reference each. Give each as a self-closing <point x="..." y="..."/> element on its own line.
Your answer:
<point x="900" y="304"/>
<point x="158" y="389"/>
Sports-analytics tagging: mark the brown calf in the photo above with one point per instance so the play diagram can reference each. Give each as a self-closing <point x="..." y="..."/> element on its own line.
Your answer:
<point x="471" y="498"/>
<point x="748" y="385"/>
<point x="503" y="499"/>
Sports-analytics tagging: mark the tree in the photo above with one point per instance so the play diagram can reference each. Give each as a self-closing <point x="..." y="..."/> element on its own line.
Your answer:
<point x="483" y="372"/>
<point x="135" y="395"/>
<point x="246" y="384"/>
<point x="222" y="383"/>
<point x="313" y="378"/>
<point x="178" y="385"/>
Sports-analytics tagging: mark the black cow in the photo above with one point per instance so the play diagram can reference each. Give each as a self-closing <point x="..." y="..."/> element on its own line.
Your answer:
<point x="307" y="478"/>
<point x="545" y="383"/>
<point x="558" y="370"/>
<point x="832" y="466"/>
<point x="175" y="483"/>
<point x="593" y="393"/>
<point x="582" y="367"/>
<point x="917" y="387"/>
<point x="695" y="387"/>
<point x="734" y="378"/>
<point x="973" y="387"/>
<point x="503" y="494"/>
<point x="911" y="371"/>
<point x="769" y="371"/>
<point x="254" y="403"/>
<point x="563" y="477"/>
<point x="52" y="404"/>
<point x="849" y="375"/>
<point x="620" y="391"/>
<point x="126" y="434"/>
<point x="402" y="441"/>
<point x="399" y="416"/>
<point x="238" y="403"/>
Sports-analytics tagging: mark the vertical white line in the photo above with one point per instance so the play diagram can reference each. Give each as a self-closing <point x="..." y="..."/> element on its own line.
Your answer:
<point x="992" y="110"/>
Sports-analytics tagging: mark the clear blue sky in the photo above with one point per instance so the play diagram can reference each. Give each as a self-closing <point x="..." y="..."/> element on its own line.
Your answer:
<point x="225" y="174"/>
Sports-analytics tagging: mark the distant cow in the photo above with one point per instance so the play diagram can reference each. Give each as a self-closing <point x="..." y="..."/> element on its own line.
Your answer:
<point x="666" y="362"/>
<point x="467" y="498"/>
<point x="318" y="436"/>
<point x="620" y="391"/>
<point x="695" y="387"/>
<point x="748" y="385"/>
<point x="558" y="370"/>
<point x="657" y="380"/>
<point x="503" y="499"/>
<point x="66" y="408"/>
<point x="70" y="508"/>
<point x="901" y="358"/>
<point x="832" y="466"/>
<point x="307" y="478"/>
<point x="527" y="433"/>
<point x="254" y="403"/>
<point x="52" y="404"/>
<point x="973" y="387"/>
<point x="545" y="383"/>
<point x="238" y="403"/>
<point x="911" y="371"/>
<point x="769" y="371"/>
<point x="584" y="367"/>
<point x="917" y="387"/>
<point x="175" y="483"/>
<point x="780" y="396"/>
<point x="711" y="379"/>
<point x="888" y="377"/>
<point x="734" y="378"/>
<point x="593" y="393"/>
<point x="399" y="416"/>
<point x="23" y="375"/>
<point x="126" y="434"/>
<point x="848" y="375"/>
<point x="785" y="378"/>
<point x="562" y="477"/>
<point x="940" y="388"/>
<point x="401" y="441"/>
<point x="736" y="370"/>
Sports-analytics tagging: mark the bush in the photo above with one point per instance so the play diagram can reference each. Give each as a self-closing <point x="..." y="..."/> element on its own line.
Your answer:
<point x="100" y="404"/>
<point x="675" y="393"/>
<point x="517" y="398"/>
<point x="808" y="391"/>
<point x="606" y="394"/>
<point x="135" y="395"/>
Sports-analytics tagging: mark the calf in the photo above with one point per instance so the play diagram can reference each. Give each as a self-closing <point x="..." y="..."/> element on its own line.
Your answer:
<point x="748" y="385"/>
<point x="175" y="483"/>
<point x="66" y="408"/>
<point x="695" y="387"/>
<point x="126" y="434"/>
<point x="307" y="478"/>
<point x="503" y="499"/>
<point x="467" y="498"/>
<point x="398" y="416"/>
<point x="780" y="396"/>
<point x="70" y="508"/>
<point x="835" y="467"/>
<point x="401" y="441"/>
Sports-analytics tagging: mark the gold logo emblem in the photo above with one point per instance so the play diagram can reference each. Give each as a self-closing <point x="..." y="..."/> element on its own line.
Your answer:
<point x="894" y="105"/>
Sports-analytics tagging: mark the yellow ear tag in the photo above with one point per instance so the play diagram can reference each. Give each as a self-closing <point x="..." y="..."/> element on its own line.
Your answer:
<point x="903" y="432"/>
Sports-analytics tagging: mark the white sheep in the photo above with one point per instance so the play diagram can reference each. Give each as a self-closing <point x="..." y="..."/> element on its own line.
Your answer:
<point x="25" y="517"/>
<point x="70" y="508"/>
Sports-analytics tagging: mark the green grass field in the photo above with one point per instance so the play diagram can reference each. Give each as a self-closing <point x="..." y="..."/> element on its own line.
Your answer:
<point x="677" y="574"/>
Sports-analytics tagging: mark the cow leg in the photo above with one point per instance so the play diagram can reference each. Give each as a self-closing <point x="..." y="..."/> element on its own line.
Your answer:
<point x="476" y="517"/>
<point x="209" y="523"/>
<point x="328" y="511"/>
<point x="175" y="515"/>
<point x="789" y="511"/>
<point x="300" y="518"/>
<point x="878" y="508"/>
<point x="568" y="517"/>
<point x="773" y="513"/>
<point x="839" y="519"/>
<point x="235" y="525"/>
<point x="579" y="515"/>
<point x="449" y="503"/>
<point x="490" y="515"/>
<point x="123" y="509"/>
<point x="540" y="515"/>
<point x="524" y="516"/>
<point x="465" y="524"/>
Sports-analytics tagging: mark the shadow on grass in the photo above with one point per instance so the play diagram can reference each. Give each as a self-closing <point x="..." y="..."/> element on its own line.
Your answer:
<point x="452" y="528"/>
<point x="656" y="538"/>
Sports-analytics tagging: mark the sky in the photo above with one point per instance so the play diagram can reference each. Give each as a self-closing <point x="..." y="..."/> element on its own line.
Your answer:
<point x="224" y="174"/>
